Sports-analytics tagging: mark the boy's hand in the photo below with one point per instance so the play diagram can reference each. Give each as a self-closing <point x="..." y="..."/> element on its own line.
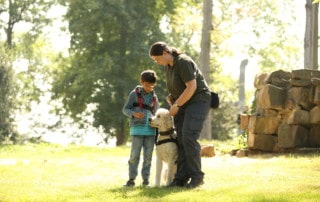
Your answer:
<point x="138" y="115"/>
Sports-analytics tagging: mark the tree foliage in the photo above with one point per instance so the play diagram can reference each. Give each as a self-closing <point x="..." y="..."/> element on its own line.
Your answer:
<point x="31" y="14"/>
<point x="272" y="42"/>
<point x="263" y="34"/>
<point x="109" y="48"/>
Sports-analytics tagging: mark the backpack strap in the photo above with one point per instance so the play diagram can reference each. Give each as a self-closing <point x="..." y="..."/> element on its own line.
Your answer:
<point x="144" y="106"/>
<point x="140" y="98"/>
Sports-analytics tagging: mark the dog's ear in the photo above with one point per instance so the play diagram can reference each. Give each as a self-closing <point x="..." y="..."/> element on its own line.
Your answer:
<point x="168" y="120"/>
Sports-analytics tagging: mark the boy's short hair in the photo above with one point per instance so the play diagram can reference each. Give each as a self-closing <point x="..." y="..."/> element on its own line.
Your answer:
<point x="148" y="76"/>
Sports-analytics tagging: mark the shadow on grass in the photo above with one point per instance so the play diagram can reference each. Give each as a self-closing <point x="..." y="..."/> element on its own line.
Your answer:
<point x="145" y="192"/>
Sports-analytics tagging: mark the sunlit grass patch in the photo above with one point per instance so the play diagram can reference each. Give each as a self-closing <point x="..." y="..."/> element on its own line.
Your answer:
<point x="57" y="173"/>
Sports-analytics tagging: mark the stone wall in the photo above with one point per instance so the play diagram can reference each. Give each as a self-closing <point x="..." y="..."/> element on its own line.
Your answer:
<point x="285" y="112"/>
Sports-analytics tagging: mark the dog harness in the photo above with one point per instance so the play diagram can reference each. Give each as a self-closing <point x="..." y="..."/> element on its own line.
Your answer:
<point x="171" y="139"/>
<point x="140" y="103"/>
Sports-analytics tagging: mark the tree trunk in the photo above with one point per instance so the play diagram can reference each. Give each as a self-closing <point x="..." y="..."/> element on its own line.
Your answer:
<point x="242" y="89"/>
<point x="311" y="36"/>
<point x="242" y="78"/>
<point x="205" y="58"/>
<point x="121" y="137"/>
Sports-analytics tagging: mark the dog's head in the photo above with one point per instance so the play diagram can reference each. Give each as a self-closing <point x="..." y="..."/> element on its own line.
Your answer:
<point x="162" y="120"/>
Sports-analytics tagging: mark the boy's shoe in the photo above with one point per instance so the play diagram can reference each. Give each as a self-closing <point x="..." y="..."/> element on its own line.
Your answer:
<point x="130" y="183"/>
<point x="145" y="183"/>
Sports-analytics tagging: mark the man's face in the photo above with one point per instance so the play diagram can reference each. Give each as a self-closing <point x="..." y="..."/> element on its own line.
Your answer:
<point x="160" y="59"/>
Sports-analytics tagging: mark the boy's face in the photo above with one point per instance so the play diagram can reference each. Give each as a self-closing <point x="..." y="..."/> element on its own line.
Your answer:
<point x="147" y="87"/>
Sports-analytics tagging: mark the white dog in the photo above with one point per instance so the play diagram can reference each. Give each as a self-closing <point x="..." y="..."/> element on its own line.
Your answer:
<point x="166" y="145"/>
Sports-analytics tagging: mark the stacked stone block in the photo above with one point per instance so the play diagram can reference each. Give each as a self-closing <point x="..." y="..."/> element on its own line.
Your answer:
<point x="286" y="111"/>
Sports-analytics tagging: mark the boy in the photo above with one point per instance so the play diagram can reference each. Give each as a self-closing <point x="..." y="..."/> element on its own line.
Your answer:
<point x="141" y="104"/>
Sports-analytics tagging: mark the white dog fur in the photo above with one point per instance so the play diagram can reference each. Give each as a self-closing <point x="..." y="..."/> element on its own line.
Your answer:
<point x="166" y="153"/>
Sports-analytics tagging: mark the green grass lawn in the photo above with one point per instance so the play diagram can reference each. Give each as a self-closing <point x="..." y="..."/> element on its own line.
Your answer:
<point x="56" y="173"/>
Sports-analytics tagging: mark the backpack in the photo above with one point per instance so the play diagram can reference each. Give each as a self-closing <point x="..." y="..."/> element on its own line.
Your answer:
<point x="140" y="103"/>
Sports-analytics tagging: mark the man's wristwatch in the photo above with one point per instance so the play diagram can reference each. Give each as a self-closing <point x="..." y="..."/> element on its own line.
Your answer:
<point x="176" y="105"/>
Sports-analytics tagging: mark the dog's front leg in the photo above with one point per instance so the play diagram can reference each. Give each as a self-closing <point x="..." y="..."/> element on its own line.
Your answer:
<point x="172" y="169"/>
<point x="158" y="171"/>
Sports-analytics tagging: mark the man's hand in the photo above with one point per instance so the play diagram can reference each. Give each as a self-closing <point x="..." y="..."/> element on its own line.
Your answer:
<point x="170" y="100"/>
<point x="173" y="110"/>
